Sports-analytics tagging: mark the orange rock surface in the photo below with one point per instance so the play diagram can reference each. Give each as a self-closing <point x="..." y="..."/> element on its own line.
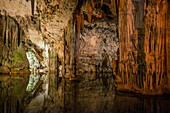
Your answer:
<point x="144" y="44"/>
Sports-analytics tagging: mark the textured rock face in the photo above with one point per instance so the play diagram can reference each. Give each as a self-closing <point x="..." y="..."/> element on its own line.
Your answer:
<point x="70" y="48"/>
<point x="143" y="40"/>
<point x="168" y="45"/>
<point x="54" y="16"/>
<point x="99" y="45"/>
<point x="12" y="52"/>
<point x="16" y="7"/>
<point x="93" y="49"/>
<point x="17" y="26"/>
<point x="42" y="22"/>
<point x="73" y="37"/>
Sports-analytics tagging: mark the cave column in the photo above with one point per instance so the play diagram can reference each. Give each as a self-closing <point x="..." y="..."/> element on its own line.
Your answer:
<point x="168" y="47"/>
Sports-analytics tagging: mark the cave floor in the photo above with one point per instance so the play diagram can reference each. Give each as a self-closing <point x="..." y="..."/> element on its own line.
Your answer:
<point x="93" y="93"/>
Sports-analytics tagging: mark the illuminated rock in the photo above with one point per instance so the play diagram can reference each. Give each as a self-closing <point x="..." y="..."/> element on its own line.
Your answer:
<point x="143" y="45"/>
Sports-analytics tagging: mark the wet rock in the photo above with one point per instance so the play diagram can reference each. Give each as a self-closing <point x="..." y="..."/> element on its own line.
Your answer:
<point x="12" y="93"/>
<point x="19" y="71"/>
<point x="36" y="104"/>
<point x="4" y="69"/>
<point x="4" y="78"/>
<point x="20" y="60"/>
<point x="12" y="53"/>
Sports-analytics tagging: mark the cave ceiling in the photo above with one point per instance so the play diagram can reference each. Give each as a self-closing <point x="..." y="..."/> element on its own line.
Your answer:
<point x="47" y="19"/>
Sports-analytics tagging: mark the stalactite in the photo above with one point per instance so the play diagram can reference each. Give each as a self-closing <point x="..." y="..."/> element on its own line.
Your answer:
<point x="82" y="21"/>
<point x="39" y="24"/>
<point x="101" y="3"/>
<point x="64" y="52"/>
<point x="79" y="21"/>
<point x="113" y="3"/>
<point x="32" y="6"/>
<point x="79" y="25"/>
<point x="146" y="54"/>
<point x="12" y="35"/>
<point x="89" y="8"/>
<point x="19" y="35"/>
<point x="7" y="30"/>
<point x="168" y="47"/>
<point x="93" y="3"/>
<point x="153" y="46"/>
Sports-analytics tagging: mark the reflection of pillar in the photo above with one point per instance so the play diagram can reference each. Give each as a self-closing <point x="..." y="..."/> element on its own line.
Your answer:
<point x="47" y="86"/>
<point x="63" y="92"/>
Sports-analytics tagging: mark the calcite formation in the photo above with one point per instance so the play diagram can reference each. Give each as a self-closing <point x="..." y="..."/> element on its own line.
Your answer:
<point x="42" y="23"/>
<point x="12" y="52"/>
<point x="99" y="46"/>
<point x="143" y="46"/>
<point x="128" y="36"/>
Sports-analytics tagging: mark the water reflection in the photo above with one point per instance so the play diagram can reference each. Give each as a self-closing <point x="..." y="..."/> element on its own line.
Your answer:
<point x="12" y="93"/>
<point x="32" y="82"/>
<point x="94" y="93"/>
<point x="37" y="82"/>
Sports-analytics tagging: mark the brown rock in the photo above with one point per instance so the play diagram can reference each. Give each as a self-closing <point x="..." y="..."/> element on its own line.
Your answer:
<point x="142" y="42"/>
<point x="4" y="69"/>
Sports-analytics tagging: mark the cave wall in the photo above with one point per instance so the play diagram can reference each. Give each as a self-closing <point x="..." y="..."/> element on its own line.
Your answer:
<point x="54" y="17"/>
<point x="62" y="53"/>
<point x="20" y="23"/>
<point x="56" y="25"/>
<point x="143" y="46"/>
<point x="168" y="44"/>
<point x="99" y="46"/>
<point x="95" y="40"/>
<point x="43" y="23"/>
<point x="16" y="7"/>
<point x="12" y="52"/>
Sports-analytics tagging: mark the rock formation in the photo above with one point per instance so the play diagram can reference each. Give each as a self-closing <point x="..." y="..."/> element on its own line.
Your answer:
<point x="99" y="46"/>
<point x="84" y="36"/>
<point x="143" y="46"/>
<point x="12" y="51"/>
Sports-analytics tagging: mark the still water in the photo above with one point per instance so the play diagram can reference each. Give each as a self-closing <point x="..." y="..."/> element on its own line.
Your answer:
<point x="91" y="94"/>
